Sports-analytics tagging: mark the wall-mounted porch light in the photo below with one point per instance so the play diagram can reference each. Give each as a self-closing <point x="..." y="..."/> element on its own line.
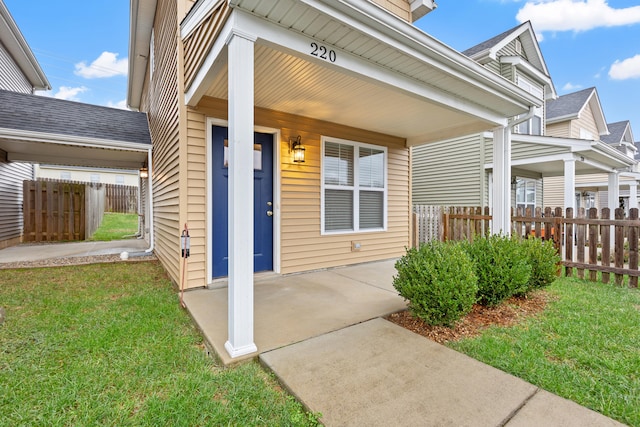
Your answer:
<point x="514" y="183"/>
<point x="295" y="146"/>
<point x="144" y="173"/>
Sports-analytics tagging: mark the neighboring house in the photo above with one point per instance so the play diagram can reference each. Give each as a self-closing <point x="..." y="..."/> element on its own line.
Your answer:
<point x="19" y="72"/>
<point x="128" y="177"/>
<point x="230" y="99"/>
<point x="461" y="171"/>
<point x="579" y="115"/>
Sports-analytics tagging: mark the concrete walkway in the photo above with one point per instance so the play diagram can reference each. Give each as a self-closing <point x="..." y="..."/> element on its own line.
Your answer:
<point x="322" y="335"/>
<point x="41" y="251"/>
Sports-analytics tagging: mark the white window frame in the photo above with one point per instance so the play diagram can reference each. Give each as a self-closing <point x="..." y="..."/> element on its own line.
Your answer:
<point x="356" y="186"/>
<point x="526" y="128"/>
<point x="526" y="182"/>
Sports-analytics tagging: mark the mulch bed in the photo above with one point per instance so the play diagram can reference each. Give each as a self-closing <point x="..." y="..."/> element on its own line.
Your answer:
<point x="509" y="313"/>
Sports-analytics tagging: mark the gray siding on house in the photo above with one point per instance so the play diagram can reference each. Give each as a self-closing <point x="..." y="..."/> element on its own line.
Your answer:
<point x="11" y="77"/>
<point x="449" y="172"/>
<point x="11" y="177"/>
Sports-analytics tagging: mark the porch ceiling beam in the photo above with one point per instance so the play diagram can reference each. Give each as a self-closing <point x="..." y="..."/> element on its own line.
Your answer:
<point x="71" y="160"/>
<point x="298" y="45"/>
<point x="55" y="138"/>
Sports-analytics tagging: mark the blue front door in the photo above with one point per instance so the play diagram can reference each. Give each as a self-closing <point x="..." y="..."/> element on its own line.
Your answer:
<point x="262" y="202"/>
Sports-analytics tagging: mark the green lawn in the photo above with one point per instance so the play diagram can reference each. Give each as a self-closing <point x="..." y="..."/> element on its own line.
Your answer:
<point x="116" y="226"/>
<point x="109" y="344"/>
<point x="584" y="347"/>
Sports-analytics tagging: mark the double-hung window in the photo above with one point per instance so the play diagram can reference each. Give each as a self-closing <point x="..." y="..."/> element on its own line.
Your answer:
<point x="533" y="126"/>
<point x="354" y="186"/>
<point x="526" y="194"/>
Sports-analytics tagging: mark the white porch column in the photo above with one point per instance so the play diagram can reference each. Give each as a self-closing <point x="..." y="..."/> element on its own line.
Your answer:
<point x="613" y="201"/>
<point x="569" y="185"/>
<point x="241" y="100"/>
<point x="501" y="206"/>
<point x="633" y="194"/>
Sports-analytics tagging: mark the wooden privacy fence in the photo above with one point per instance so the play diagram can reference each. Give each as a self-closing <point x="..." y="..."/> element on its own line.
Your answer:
<point x="62" y="210"/>
<point x="587" y="242"/>
<point x="121" y="198"/>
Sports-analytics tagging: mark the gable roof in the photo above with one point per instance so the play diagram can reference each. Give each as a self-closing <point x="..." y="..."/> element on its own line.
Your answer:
<point x="33" y="113"/>
<point x="12" y="39"/>
<point x="617" y="132"/>
<point x="571" y="106"/>
<point x="488" y="51"/>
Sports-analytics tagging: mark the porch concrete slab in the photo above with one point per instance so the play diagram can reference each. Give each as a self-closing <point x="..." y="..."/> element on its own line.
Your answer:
<point x="41" y="251"/>
<point x="381" y="276"/>
<point x="379" y="374"/>
<point x="289" y="309"/>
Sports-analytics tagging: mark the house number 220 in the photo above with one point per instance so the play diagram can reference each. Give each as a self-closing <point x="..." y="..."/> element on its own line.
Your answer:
<point x="322" y="52"/>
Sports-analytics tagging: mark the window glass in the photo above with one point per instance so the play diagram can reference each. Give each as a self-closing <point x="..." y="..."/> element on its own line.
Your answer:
<point x="354" y="186"/>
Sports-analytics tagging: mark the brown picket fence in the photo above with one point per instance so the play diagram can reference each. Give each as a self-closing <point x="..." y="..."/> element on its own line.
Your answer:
<point x="592" y="245"/>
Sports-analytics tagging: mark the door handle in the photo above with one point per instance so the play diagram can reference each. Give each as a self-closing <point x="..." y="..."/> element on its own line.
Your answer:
<point x="269" y="213"/>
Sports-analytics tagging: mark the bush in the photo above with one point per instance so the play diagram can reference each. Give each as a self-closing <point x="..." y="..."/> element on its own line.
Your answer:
<point x="438" y="281"/>
<point x="502" y="268"/>
<point x="543" y="258"/>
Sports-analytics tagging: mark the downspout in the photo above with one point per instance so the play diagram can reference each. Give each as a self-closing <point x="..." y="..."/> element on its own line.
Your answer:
<point x="150" y="196"/>
<point x="523" y="118"/>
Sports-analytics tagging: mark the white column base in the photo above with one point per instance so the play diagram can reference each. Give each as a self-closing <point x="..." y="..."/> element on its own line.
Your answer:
<point x="240" y="351"/>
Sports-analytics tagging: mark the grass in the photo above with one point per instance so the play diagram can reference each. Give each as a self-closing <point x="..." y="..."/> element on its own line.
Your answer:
<point x="116" y="226"/>
<point x="584" y="347"/>
<point x="109" y="344"/>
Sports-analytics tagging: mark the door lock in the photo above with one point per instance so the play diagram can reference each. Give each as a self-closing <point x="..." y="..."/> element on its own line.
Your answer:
<point x="269" y="213"/>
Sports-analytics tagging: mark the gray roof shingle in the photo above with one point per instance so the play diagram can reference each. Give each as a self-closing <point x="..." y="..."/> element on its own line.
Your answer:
<point x="34" y="113"/>
<point x="616" y="132"/>
<point x="569" y="104"/>
<point x="488" y="44"/>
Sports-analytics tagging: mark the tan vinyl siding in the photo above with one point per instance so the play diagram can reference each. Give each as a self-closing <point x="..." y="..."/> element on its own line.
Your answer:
<point x="196" y="191"/>
<point x="11" y="177"/>
<point x="559" y="130"/>
<point x="449" y="172"/>
<point x="198" y="44"/>
<point x="302" y="246"/>
<point x="553" y="192"/>
<point x="164" y="125"/>
<point x="11" y="76"/>
<point x="400" y="8"/>
<point x="586" y="122"/>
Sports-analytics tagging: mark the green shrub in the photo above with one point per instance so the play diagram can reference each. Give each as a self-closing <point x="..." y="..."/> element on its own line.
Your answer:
<point x="502" y="268"/>
<point x="543" y="258"/>
<point x="438" y="281"/>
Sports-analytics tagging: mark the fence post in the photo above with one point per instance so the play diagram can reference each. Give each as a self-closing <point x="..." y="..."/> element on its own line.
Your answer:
<point x="557" y="224"/>
<point x="568" y="243"/>
<point x="619" y="246"/>
<point x="605" y="236"/>
<point x="580" y="239"/>
<point x="633" y="246"/>
<point x="593" y="244"/>
<point x="416" y="236"/>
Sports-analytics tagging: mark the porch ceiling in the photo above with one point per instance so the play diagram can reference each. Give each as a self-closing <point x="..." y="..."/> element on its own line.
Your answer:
<point x="284" y="82"/>
<point x="386" y="75"/>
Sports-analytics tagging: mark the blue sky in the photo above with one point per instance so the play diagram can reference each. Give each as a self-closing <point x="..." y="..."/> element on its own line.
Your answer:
<point x="82" y="44"/>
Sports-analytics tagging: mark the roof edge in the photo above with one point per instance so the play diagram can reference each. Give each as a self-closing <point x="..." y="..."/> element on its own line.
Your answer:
<point x="18" y="47"/>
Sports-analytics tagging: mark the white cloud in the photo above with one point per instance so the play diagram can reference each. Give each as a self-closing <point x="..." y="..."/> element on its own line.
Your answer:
<point x="69" y="93"/>
<point x="570" y="86"/>
<point x="120" y="104"/>
<point x="626" y="69"/>
<point x="576" y="15"/>
<point x="106" y="65"/>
